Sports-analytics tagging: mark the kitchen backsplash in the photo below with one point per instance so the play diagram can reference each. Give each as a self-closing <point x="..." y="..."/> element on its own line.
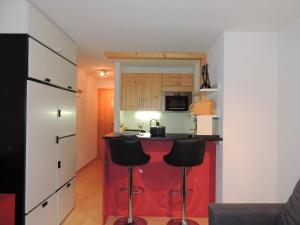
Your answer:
<point x="175" y="122"/>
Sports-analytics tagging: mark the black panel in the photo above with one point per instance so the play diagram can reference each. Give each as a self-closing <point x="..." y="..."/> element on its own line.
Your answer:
<point x="14" y="69"/>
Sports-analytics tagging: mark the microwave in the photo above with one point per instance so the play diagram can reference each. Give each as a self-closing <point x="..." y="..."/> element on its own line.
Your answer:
<point x="176" y="101"/>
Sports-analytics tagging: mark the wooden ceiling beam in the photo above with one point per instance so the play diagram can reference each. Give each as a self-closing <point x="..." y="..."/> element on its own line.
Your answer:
<point x="157" y="55"/>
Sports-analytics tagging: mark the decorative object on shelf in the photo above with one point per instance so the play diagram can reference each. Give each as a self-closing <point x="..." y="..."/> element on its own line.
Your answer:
<point x="205" y="77"/>
<point x="202" y="107"/>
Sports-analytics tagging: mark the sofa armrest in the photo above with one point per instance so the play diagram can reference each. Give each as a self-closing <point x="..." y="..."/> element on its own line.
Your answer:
<point x="243" y="214"/>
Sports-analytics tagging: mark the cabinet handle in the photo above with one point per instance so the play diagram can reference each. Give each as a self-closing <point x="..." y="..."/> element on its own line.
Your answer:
<point x="47" y="80"/>
<point x="59" y="50"/>
<point x="44" y="204"/>
<point x="139" y="102"/>
<point x="69" y="87"/>
<point x="69" y="184"/>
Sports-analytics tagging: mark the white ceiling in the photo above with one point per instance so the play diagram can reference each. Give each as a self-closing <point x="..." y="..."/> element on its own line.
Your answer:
<point x="160" y="25"/>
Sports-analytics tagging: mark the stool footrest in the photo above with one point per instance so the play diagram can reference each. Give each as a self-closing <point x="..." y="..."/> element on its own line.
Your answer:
<point x="188" y="191"/>
<point x="136" y="190"/>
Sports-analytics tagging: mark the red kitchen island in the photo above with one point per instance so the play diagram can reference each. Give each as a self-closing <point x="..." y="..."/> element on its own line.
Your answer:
<point x="157" y="185"/>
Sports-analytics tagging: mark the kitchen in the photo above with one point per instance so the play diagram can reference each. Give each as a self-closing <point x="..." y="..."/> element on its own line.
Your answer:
<point x="165" y="89"/>
<point x="85" y="75"/>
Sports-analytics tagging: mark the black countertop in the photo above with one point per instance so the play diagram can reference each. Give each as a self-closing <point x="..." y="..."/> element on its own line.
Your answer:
<point x="167" y="137"/>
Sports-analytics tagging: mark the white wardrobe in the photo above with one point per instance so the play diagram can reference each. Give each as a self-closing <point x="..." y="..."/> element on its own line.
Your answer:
<point x="44" y="162"/>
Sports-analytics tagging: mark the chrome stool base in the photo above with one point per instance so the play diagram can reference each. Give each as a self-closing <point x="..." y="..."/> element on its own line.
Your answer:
<point x="178" y="221"/>
<point x="136" y="221"/>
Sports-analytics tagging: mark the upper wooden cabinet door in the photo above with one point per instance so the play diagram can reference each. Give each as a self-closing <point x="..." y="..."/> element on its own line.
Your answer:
<point x="146" y="93"/>
<point x="157" y="92"/>
<point x="141" y="91"/>
<point x="131" y="92"/>
<point x="178" y="82"/>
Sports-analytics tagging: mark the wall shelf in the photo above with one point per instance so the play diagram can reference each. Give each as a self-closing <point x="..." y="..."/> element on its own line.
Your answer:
<point x="206" y="91"/>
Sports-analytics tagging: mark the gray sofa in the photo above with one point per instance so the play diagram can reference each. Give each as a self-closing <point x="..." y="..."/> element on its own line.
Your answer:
<point x="244" y="214"/>
<point x="257" y="214"/>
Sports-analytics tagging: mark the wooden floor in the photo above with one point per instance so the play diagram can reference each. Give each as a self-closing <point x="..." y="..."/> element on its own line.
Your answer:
<point x="88" y="200"/>
<point x="88" y="196"/>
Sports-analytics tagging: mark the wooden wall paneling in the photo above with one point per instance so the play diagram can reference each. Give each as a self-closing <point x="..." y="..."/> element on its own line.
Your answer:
<point x="156" y="55"/>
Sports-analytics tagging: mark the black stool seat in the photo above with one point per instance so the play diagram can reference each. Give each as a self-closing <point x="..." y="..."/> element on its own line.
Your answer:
<point x="127" y="151"/>
<point x="186" y="153"/>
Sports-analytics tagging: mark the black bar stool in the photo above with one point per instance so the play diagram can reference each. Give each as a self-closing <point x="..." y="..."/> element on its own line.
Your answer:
<point x="128" y="152"/>
<point x="185" y="153"/>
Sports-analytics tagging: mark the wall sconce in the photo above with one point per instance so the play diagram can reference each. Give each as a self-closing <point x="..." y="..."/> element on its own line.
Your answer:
<point x="104" y="73"/>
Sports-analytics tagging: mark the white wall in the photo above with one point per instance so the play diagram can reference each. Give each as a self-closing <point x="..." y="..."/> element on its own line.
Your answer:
<point x="249" y="115"/>
<point x="106" y="84"/>
<point x="86" y="119"/>
<point x="288" y="110"/>
<point x="13" y="16"/>
<point x="215" y="57"/>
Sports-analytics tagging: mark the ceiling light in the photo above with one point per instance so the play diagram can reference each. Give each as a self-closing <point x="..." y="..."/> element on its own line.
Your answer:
<point x="104" y="73"/>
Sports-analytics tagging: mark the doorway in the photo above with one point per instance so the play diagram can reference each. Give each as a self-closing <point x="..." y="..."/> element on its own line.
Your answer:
<point x="105" y="117"/>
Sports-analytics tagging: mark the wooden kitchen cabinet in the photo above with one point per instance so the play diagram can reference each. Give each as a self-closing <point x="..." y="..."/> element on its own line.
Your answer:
<point x="157" y="92"/>
<point x="141" y="91"/>
<point x="178" y="82"/>
<point x="131" y="92"/>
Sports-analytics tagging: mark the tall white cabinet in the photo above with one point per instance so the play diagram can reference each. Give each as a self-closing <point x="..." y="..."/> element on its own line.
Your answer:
<point x="38" y="151"/>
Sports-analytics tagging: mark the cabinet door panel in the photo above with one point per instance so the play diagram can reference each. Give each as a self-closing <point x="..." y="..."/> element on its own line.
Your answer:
<point x="67" y="74"/>
<point x="67" y="118"/>
<point x="186" y="80"/>
<point x="131" y="91"/>
<point x="43" y="63"/>
<point x="146" y="100"/>
<point x="67" y="157"/>
<point x="44" y="30"/>
<point x="44" y="214"/>
<point x="178" y="80"/>
<point x="65" y="200"/>
<point x="41" y="147"/>
<point x="156" y="92"/>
